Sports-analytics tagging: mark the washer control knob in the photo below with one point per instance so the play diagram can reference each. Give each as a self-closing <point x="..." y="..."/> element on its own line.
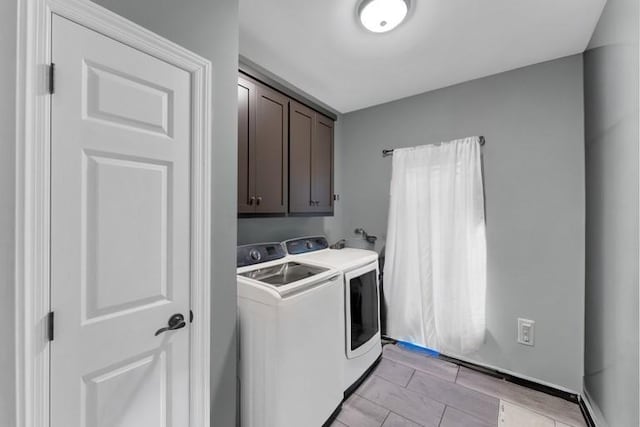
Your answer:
<point x="255" y="255"/>
<point x="308" y="244"/>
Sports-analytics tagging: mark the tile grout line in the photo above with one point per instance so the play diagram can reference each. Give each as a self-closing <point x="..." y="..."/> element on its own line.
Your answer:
<point x="446" y="405"/>
<point x="459" y="367"/>
<point x="385" y="418"/>
<point x="442" y="415"/>
<point x="459" y="385"/>
<point x="425" y="356"/>
<point x="408" y="365"/>
<point x="555" y="421"/>
<point x="535" y="411"/>
<point x="374" y="403"/>
<point x="413" y="371"/>
<point x="516" y="403"/>
<point x="509" y="399"/>
<point x="391" y="410"/>
<point x="475" y="417"/>
<point x="501" y="397"/>
<point x="483" y="392"/>
<point x="410" y="378"/>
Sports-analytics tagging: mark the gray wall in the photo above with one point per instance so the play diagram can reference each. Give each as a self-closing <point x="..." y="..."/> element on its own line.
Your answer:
<point x="7" y="197"/>
<point x="210" y="28"/>
<point x="532" y="119"/>
<point x="611" y="130"/>
<point x="254" y="230"/>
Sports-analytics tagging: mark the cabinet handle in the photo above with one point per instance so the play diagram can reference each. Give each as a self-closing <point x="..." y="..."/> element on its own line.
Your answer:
<point x="258" y="200"/>
<point x="251" y="200"/>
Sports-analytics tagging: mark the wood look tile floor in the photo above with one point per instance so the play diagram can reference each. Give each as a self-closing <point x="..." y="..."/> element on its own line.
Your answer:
<point x="411" y="389"/>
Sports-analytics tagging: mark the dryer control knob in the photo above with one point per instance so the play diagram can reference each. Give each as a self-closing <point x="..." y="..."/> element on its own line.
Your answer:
<point x="255" y="255"/>
<point x="308" y="244"/>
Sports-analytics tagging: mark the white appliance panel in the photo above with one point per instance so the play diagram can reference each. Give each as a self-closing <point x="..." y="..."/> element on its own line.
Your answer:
<point x="290" y="362"/>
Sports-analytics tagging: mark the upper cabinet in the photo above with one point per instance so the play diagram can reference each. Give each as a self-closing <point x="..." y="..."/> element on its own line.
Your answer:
<point x="263" y="119"/>
<point x="246" y="146"/>
<point x="285" y="154"/>
<point x="311" y="161"/>
<point x="322" y="164"/>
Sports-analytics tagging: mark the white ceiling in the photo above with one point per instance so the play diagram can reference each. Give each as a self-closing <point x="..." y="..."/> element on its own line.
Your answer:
<point x="319" y="46"/>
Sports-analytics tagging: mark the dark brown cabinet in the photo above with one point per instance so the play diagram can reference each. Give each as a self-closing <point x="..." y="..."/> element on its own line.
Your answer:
<point x="246" y="145"/>
<point x="285" y="154"/>
<point x="322" y="164"/>
<point x="311" y="161"/>
<point x="263" y="117"/>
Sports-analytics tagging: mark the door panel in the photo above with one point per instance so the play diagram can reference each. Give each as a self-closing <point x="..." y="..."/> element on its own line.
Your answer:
<point x="123" y="99"/>
<point x="246" y="145"/>
<point x="272" y="116"/>
<point x="120" y="233"/>
<point x="322" y="164"/>
<point x="142" y="190"/>
<point x="301" y="133"/>
<point x="140" y="379"/>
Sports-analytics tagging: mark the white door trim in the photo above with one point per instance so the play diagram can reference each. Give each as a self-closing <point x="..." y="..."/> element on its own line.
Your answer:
<point x="33" y="197"/>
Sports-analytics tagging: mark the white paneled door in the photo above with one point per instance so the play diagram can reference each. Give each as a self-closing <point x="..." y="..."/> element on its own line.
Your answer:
<point x="120" y="234"/>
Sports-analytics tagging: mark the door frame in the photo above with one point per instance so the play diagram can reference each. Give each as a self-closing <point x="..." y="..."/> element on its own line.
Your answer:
<point x="32" y="214"/>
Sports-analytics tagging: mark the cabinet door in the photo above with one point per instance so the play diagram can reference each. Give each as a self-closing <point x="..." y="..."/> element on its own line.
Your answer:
<point x="246" y="143"/>
<point x="322" y="164"/>
<point x="272" y="117"/>
<point x="300" y="135"/>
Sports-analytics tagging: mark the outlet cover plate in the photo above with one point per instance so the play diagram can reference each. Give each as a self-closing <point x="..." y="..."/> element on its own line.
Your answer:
<point x="526" y="331"/>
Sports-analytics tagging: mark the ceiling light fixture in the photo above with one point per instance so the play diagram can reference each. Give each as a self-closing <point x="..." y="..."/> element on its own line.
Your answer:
<point x="380" y="16"/>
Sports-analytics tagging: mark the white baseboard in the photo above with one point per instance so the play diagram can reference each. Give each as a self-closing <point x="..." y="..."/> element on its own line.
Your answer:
<point x="594" y="410"/>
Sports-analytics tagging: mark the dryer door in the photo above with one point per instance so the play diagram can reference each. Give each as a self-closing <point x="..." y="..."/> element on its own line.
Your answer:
<point x="362" y="307"/>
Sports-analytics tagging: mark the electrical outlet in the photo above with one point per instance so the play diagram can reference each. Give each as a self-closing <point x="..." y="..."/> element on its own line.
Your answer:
<point x="526" y="331"/>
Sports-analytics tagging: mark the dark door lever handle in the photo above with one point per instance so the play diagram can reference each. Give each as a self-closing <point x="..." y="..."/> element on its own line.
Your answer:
<point x="175" y="322"/>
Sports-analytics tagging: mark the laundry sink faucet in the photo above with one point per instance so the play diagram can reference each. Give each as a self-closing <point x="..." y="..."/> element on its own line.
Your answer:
<point x="365" y="236"/>
<point x="340" y="244"/>
<point x="361" y="231"/>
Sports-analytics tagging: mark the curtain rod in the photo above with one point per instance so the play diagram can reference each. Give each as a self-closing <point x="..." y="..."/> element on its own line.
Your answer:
<point x="389" y="152"/>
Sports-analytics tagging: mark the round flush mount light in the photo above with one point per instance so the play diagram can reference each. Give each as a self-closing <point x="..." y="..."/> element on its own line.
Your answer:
<point x="380" y="16"/>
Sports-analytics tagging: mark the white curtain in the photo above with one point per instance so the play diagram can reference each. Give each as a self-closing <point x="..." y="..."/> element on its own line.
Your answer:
<point x="435" y="269"/>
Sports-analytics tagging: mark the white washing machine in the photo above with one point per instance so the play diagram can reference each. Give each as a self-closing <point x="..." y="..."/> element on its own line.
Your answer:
<point x="290" y="364"/>
<point x="362" y="346"/>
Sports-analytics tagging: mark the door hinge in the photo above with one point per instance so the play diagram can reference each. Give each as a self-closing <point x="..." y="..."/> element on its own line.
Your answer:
<point x="50" y="326"/>
<point x="52" y="68"/>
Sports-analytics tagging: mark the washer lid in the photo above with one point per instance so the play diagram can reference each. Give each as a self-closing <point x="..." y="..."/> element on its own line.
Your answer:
<point x="340" y="259"/>
<point x="255" y="279"/>
<point x="284" y="274"/>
